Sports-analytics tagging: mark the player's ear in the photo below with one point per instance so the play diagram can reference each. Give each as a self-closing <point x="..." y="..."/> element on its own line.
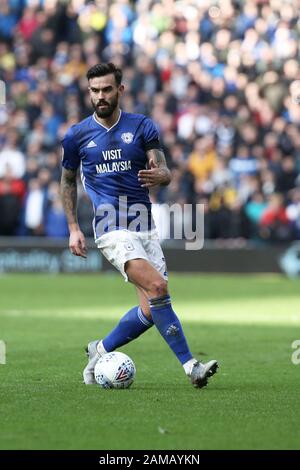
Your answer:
<point x="121" y="89"/>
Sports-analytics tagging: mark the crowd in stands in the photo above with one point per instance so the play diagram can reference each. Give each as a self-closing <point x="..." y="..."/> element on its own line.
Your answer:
<point x="216" y="76"/>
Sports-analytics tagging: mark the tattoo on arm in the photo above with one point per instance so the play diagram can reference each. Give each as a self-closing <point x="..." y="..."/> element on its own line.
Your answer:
<point x="68" y="188"/>
<point x="158" y="157"/>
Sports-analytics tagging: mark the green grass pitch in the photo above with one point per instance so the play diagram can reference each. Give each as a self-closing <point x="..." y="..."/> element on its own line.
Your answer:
<point x="247" y="323"/>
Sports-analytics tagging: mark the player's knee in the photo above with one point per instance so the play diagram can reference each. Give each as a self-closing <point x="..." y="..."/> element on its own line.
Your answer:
<point x="158" y="288"/>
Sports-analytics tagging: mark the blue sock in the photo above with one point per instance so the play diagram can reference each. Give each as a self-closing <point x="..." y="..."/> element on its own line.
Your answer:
<point x="131" y="325"/>
<point x="170" y="327"/>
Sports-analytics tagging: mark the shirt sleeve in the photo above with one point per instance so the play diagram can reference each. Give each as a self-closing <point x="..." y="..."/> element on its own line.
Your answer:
<point x="71" y="157"/>
<point x="151" y="135"/>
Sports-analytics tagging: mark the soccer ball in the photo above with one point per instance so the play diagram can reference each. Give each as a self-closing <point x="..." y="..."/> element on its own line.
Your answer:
<point x="114" y="370"/>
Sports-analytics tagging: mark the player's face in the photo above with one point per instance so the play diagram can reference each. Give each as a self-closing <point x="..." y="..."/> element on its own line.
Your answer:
<point x="105" y="95"/>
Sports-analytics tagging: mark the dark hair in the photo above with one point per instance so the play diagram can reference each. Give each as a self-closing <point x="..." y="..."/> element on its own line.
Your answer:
<point x="100" y="70"/>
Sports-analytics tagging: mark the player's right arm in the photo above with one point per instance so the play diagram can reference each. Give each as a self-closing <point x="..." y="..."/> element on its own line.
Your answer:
<point x="68" y="187"/>
<point x="69" y="199"/>
<point x="157" y="173"/>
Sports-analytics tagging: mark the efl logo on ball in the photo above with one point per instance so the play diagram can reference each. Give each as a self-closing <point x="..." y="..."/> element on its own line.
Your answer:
<point x="114" y="370"/>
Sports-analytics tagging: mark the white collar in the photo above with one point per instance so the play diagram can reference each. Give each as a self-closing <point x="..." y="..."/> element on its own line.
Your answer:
<point x="108" y="128"/>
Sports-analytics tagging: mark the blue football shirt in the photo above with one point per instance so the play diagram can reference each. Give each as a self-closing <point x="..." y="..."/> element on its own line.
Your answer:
<point x="109" y="161"/>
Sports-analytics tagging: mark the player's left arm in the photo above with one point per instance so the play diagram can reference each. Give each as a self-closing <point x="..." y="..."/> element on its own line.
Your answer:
<point x="157" y="173"/>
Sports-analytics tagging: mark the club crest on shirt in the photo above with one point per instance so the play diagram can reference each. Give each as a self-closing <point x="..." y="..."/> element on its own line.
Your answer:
<point x="127" y="137"/>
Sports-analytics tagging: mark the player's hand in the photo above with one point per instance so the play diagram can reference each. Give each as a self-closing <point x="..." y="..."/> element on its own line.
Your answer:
<point x="154" y="176"/>
<point x="77" y="244"/>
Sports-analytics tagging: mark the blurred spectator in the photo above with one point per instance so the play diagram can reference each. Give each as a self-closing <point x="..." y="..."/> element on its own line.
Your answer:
<point x="274" y="221"/>
<point x="286" y="179"/>
<point x="8" y="20"/>
<point x="12" y="191"/>
<point x="254" y="210"/>
<point x="293" y="212"/>
<point x="202" y="160"/>
<point x="55" y="222"/>
<point x="243" y="164"/>
<point x="11" y="158"/>
<point x="221" y="84"/>
<point x="34" y="208"/>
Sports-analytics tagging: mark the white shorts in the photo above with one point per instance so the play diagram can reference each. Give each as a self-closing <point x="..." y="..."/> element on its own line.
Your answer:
<point x="121" y="246"/>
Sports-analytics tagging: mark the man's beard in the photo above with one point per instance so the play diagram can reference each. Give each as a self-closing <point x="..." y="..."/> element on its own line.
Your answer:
<point x="108" y="110"/>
